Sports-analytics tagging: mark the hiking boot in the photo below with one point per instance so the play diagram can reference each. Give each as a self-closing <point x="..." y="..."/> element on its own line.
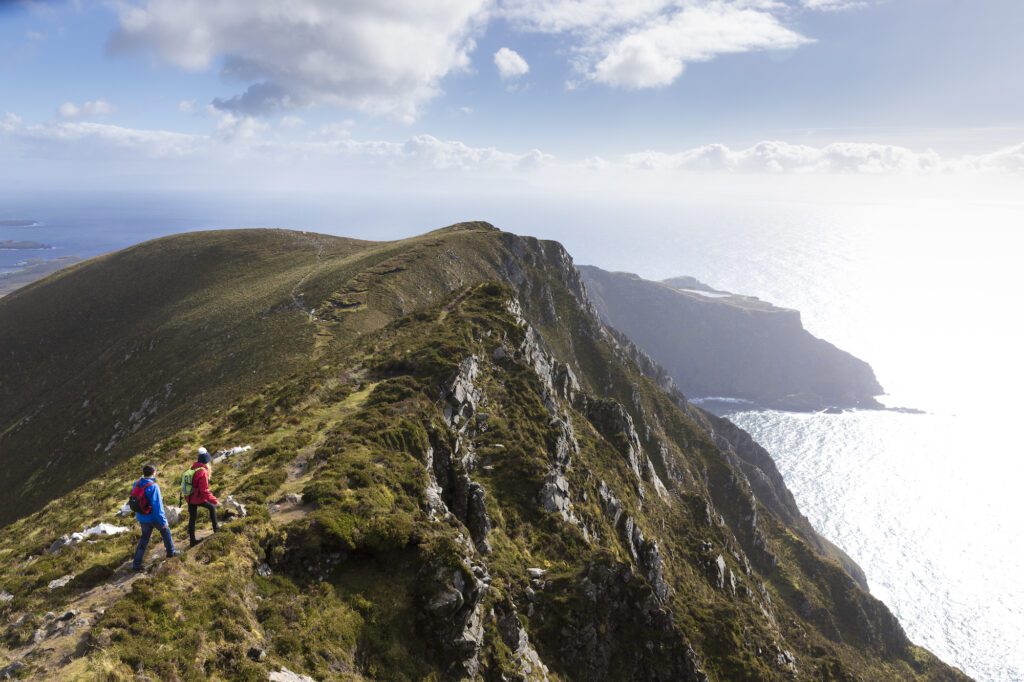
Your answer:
<point x="171" y="555"/>
<point x="138" y="569"/>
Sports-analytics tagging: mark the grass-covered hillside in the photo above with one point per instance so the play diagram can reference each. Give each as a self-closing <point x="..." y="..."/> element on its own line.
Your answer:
<point x="456" y="472"/>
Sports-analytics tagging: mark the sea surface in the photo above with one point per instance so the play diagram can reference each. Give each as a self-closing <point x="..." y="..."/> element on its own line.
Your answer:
<point x="931" y="505"/>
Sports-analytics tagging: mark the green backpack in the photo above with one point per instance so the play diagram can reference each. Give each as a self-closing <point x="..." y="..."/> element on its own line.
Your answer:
<point x="186" y="481"/>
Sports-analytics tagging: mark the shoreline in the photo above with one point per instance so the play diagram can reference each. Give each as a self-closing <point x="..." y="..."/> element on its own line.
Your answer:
<point x="723" y="406"/>
<point x="34" y="270"/>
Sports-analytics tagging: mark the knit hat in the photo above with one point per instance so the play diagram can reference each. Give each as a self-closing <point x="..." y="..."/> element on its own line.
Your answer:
<point x="204" y="456"/>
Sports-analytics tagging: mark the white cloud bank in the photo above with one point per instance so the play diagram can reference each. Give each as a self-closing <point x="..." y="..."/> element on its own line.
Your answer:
<point x="510" y="64"/>
<point x="250" y="139"/>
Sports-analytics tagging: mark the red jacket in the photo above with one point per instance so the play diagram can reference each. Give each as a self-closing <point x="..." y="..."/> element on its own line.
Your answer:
<point x="201" y="485"/>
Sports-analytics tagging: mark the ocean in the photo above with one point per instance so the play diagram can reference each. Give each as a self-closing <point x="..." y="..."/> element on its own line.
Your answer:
<point x="928" y="293"/>
<point x="930" y="505"/>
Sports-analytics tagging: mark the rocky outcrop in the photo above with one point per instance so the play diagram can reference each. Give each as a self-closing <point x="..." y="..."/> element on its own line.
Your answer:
<point x="559" y="387"/>
<point x="616" y="628"/>
<point x="713" y="343"/>
<point x="454" y="612"/>
<point x="528" y="664"/>
<point x="613" y="422"/>
<point x="645" y="553"/>
<point x="451" y="457"/>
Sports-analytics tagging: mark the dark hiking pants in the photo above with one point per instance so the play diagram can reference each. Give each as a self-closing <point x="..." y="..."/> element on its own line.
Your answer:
<point x="147" y="530"/>
<point x="193" y="511"/>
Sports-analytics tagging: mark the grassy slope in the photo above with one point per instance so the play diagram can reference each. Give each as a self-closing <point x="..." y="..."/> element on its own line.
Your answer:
<point x="108" y="355"/>
<point x="353" y="566"/>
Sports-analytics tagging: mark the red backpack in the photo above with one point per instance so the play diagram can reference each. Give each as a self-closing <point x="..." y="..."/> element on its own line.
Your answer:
<point x="137" y="500"/>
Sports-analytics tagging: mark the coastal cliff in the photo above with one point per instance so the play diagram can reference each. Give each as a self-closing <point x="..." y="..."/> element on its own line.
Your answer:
<point x="717" y="344"/>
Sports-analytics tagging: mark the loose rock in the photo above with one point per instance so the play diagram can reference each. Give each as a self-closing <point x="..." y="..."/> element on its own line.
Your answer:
<point x="61" y="582"/>
<point x="286" y="675"/>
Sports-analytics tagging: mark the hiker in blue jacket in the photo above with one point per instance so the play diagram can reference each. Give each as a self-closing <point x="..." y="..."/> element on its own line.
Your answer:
<point x="149" y="510"/>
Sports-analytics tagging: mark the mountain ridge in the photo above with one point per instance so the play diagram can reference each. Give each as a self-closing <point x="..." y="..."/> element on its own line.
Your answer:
<point x="457" y="472"/>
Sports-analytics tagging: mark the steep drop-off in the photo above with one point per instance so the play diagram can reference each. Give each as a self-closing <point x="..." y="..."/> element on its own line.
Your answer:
<point x="456" y="472"/>
<point x="718" y="344"/>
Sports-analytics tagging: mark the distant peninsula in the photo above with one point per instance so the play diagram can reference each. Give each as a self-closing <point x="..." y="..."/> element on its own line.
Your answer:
<point x="718" y="344"/>
<point x="18" y="223"/>
<point x="12" y="245"/>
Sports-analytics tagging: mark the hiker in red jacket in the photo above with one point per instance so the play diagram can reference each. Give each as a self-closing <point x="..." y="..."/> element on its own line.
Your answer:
<point x="201" y="495"/>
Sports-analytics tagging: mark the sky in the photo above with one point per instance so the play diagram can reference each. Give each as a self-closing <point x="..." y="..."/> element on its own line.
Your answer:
<point x="493" y="96"/>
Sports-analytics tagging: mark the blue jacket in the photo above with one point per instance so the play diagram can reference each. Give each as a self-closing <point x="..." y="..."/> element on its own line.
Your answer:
<point x="156" y="514"/>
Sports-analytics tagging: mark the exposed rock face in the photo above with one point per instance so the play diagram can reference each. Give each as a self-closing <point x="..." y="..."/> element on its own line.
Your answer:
<point x="454" y="612"/>
<point x="529" y="665"/>
<point x="452" y="459"/>
<point x="612" y="420"/>
<point x="598" y="637"/>
<point x="719" y="344"/>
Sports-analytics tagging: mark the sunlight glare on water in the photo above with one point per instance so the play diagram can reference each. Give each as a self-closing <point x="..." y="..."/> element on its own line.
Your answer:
<point x="929" y="294"/>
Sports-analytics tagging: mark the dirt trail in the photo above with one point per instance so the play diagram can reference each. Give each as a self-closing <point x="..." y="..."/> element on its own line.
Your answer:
<point x="62" y="636"/>
<point x="296" y="293"/>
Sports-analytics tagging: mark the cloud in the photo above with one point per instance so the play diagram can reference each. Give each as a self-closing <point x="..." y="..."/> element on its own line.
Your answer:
<point x="510" y="63"/>
<point x="655" y="54"/>
<point x="234" y="127"/>
<point x="783" y="157"/>
<point x="90" y="141"/>
<point x="1004" y="161"/>
<point x="833" y="5"/>
<point x="187" y="106"/>
<point x="386" y="58"/>
<point x="648" y="43"/>
<point x="252" y="142"/>
<point x="89" y="109"/>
